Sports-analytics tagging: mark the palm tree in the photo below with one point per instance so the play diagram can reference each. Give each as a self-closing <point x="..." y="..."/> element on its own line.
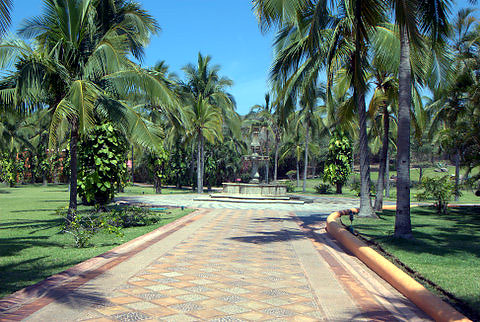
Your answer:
<point x="309" y="117"/>
<point x="208" y="107"/>
<point x="412" y="18"/>
<point x="316" y="45"/>
<point x="82" y="71"/>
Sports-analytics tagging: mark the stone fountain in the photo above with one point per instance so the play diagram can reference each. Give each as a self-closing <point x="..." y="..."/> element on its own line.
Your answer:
<point x="254" y="191"/>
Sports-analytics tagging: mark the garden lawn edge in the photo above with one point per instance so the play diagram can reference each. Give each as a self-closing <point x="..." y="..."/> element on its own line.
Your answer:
<point x="414" y="291"/>
<point x="81" y="273"/>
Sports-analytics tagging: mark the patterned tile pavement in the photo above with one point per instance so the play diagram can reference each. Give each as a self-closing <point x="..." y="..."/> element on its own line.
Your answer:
<point x="240" y="262"/>
<point x="241" y="266"/>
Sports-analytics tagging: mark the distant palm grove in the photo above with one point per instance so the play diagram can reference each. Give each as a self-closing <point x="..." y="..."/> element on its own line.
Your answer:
<point x="393" y="84"/>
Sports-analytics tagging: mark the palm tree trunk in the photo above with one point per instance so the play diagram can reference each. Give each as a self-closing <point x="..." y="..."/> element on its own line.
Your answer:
<point x="387" y="176"/>
<point x="366" y="209"/>
<point x="298" y="170"/>
<point x="305" y="168"/>
<point x="383" y="161"/>
<point x="72" y="206"/>
<point x="203" y="161"/>
<point x="457" y="173"/>
<point x="199" y="165"/>
<point x="132" y="166"/>
<point x="275" y="161"/>
<point x="192" y="167"/>
<point x="403" y="225"/>
<point x="267" y="162"/>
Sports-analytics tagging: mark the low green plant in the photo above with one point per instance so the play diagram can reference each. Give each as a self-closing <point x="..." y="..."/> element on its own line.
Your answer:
<point x="82" y="228"/>
<point x="440" y="189"/>
<point x="290" y="186"/>
<point x="85" y="226"/>
<point x="356" y="186"/>
<point x="323" y="188"/>
<point x="131" y="217"/>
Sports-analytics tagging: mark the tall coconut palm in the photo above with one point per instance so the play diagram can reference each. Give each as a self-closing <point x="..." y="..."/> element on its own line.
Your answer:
<point x="309" y="117"/>
<point x="208" y="107"/>
<point x="412" y="18"/>
<point x="346" y="43"/>
<point x="82" y="71"/>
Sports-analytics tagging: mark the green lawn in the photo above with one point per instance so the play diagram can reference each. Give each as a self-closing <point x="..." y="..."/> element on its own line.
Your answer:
<point x="445" y="249"/>
<point x="468" y="196"/>
<point x="31" y="245"/>
<point x="148" y="190"/>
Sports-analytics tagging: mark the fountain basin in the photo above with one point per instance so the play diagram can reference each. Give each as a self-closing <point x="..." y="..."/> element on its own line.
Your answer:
<point x="254" y="190"/>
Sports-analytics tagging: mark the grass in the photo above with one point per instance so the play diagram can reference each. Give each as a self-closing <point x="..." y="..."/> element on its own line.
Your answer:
<point x="468" y="196"/>
<point x="445" y="249"/>
<point x="31" y="244"/>
<point x="149" y="190"/>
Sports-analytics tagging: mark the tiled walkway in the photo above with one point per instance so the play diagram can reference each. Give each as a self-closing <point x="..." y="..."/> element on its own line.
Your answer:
<point x="236" y="265"/>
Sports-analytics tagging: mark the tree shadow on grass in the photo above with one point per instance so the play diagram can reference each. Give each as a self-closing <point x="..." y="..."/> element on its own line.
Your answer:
<point x="14" y="245"/>
<point x="70" y="294"/>
<point x="38" y="224"/>
<point x="4" y="191"/>
<point x="460" y="236"/>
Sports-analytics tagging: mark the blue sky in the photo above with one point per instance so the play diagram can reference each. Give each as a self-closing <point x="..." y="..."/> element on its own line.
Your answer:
<point x="224" y="29"/>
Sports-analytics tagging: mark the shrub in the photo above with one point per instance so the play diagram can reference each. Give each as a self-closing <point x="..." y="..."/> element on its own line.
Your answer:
<point x="291" y="174"/>
<point x="246" y="177"/>
<point x="7" y="170"/>
<point x="338" y="165"/>
<point x="102" y="165"/>
<point x="290" y="186"/>
<point x="440" y="189"/>
<point x="84" y="227"/>
<point x="323" y="188"/>
<point x="131" y="217"/>
<point x="356" y="186"/>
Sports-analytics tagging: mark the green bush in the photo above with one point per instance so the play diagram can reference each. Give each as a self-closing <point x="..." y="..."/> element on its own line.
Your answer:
<point x="291" y="174"/>
<point x="7" y="170"/>
<point x="102" y="165"/>
<point x="290" y="186"/>
<point x="440" y="189"/>
<point x="338" y="165"/>
<point x="356" y="187"/>
<point x="131" y="217"/>
<point x="84" y="227"/>
<point x="323" y="188"/>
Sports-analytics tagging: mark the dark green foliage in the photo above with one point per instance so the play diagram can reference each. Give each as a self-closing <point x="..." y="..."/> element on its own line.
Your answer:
<point x="355" y="186"/>
<point x="84" y="227"/>
<point x="441" y="189"/>
<point x="222" y="163"/>
<point x="290" y="186"/>
<point x="323" y="188"/>
<point x="102" y="164"/>
<point x="339" y="160"/>
<point x="178" y="167"/>
<point x="157" y="164"/>
<point x="131" y="217"/>
<point x="7" y="170"/>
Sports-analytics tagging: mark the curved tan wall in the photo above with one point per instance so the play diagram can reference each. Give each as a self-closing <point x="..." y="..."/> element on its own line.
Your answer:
<point x="414" y="291"/>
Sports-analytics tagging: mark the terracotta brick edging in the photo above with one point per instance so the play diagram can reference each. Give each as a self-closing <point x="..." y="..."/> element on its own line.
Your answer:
<point x="414" y="291"/>
<point x="30" y="299"/>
